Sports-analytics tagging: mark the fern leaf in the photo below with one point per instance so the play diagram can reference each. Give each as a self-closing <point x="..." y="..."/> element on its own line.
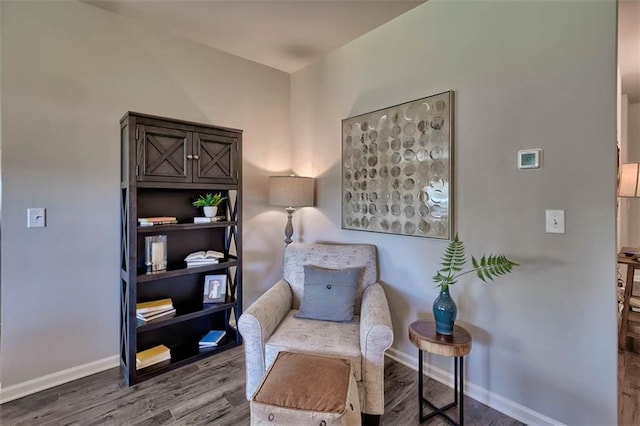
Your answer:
<point x="491" y="267"/>
<point x="453" y="259"/>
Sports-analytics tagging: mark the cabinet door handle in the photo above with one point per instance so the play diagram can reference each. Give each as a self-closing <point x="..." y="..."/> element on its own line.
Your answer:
<point x="196" y="157"/>
<point x="189" y="157"/>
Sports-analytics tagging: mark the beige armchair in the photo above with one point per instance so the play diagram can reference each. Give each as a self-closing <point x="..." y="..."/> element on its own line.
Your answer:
<point x="268" y="326"/>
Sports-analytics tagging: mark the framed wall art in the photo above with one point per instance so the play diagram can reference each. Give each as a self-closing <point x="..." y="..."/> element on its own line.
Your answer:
<point x="397" y="169"/>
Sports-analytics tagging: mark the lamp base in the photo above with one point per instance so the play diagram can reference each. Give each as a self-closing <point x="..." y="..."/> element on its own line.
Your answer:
<point x="288" y="230"/>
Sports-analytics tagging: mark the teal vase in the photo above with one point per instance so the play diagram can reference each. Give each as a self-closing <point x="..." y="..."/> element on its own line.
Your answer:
<point x="444" y="311"/>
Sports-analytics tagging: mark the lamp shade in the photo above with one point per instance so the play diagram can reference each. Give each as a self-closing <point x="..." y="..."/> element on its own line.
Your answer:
<point x="291" y="191"/>
<point x="629" y="180"/>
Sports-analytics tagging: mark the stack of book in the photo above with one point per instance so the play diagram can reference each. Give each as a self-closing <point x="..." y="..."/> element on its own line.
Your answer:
<point x="212" y="338"/>
<point x="203" y="219"/>
<point x="160" y="220"/>
<point x="203" y="258"/>
<point x="152" y="356"/>
<point x="154" y="310"/>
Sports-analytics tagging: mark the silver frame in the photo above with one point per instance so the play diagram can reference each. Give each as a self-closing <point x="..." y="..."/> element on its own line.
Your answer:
<point x="223" y="290"/>
<point x="416" y="198"/>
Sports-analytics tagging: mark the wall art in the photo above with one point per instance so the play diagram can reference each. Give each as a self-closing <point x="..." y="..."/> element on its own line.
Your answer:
<point x="397" y="169"/>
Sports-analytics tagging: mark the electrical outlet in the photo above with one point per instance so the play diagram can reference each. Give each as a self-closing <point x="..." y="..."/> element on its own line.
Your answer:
<point x="36" y="217"/>
<point x="554" y="221"/>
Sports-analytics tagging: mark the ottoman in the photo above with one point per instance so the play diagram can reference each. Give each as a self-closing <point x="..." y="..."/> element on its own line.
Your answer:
<point x="305" y="389"/>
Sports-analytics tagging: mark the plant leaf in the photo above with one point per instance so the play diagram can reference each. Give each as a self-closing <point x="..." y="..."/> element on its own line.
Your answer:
<point x="453" y="259"/>
<point x="493" y="266"/>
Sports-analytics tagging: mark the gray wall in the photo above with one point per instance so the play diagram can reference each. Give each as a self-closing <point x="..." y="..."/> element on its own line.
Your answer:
<point x="633" y="144"/>
<point x="69" y="73"/>
<point x="624" y="204"/>
<point x="526" y="74"/>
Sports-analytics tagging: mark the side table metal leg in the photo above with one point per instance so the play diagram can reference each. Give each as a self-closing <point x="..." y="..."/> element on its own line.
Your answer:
<point x="461" y="378"/>
<point x="420" y="383"/>
<point x="455" y="380"/>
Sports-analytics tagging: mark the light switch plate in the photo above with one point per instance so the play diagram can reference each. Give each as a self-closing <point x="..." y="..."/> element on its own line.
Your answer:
<point x="36" y="217"/>
<point x="554" y="220"/>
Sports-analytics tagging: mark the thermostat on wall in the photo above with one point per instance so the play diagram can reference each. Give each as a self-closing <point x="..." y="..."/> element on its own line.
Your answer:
<point x="529" y="158"/>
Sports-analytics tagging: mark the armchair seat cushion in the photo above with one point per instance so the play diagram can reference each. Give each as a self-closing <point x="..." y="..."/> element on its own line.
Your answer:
<point x="339" y="339"/>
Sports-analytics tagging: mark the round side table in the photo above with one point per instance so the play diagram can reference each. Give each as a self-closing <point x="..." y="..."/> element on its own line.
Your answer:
<point x="422" y="334"/>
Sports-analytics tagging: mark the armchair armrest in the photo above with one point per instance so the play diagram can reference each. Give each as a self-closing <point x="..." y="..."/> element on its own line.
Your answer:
<point x="257" y="324"/>
<point x="376" y="336"/>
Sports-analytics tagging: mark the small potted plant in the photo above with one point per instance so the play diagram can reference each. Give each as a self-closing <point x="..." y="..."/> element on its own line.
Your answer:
<point x="487" y="268"/>
<point x="210" y="203"/>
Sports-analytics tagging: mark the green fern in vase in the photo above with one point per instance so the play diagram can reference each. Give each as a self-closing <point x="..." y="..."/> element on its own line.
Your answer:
<point x="487" y="268"/>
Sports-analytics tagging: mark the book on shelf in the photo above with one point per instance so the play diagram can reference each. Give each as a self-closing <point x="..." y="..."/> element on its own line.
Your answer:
<point x="204" y="219"/>
<point x="204" y="254"/>
<point x="212" y="338"/>
<point x="152" y="356"/>
<point x="154" y="306"/>
<point x="155" y="316"/>
<point x="198" y="263"/>
<point x="158" y="220"/>
<point x="203" y="258"/>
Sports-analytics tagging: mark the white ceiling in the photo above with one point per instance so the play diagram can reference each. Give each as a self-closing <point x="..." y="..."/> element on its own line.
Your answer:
<point x="290" y="34"/>
<point x="286" y="35"/>
<point x="629" y="48"/>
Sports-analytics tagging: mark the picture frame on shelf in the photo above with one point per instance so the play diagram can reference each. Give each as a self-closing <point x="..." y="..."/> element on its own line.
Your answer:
<point x="215" y="288"/>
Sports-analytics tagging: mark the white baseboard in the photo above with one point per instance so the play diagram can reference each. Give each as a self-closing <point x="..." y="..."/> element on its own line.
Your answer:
<point x="50" y="380"/>
<point x="493" y="400"/>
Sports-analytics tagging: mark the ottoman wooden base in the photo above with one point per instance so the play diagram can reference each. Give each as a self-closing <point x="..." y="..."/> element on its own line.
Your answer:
<point x="305" y="389"/>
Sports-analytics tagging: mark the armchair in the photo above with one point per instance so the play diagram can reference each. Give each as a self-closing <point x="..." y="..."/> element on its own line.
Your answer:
<point x="268" y="326"/>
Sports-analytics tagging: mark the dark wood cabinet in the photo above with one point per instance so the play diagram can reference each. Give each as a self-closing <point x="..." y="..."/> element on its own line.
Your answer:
<point x="162" y="154"/>
<point x="185" y="154"/>
<point x="166" y="164"/>
<point x="214" y="157"/>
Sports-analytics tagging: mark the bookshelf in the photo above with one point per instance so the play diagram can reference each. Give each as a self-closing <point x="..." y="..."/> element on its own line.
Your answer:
<point x="166" y="164"/>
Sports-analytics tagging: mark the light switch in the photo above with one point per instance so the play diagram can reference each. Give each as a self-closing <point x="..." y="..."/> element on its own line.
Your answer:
<point x="36" y="217"/>
<point x="554" y="221"/>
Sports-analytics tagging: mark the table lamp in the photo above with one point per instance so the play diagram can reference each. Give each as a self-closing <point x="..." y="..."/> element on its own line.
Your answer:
<point x="290" y="192"/>
<point x="629" y="179"/>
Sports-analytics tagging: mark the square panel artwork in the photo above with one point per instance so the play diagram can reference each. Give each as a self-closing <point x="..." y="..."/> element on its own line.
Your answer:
<point x="396" y="169"/>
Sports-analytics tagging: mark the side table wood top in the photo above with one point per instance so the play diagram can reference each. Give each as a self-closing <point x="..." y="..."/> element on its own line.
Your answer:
<point x="422" y="334"/>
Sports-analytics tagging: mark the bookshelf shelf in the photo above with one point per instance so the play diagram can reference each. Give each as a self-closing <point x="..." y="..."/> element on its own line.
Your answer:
<point x="184" y="227"/>
<point x="166" y="165"/>
<point x="188" y="352"/>
<point x="179" y="269"/>
<point x="186" y="314"/>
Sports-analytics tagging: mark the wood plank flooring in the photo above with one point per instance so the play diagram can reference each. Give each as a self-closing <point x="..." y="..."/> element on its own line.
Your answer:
<point x="212" y="392"/>
<point x="628" y="388"/>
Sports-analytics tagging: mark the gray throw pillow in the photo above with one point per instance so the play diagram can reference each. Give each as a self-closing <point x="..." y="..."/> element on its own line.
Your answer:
<point x="329" y="294"/>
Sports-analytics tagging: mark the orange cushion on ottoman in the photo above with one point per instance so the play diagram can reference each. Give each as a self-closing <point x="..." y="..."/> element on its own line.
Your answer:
<point x="306" y="389"/>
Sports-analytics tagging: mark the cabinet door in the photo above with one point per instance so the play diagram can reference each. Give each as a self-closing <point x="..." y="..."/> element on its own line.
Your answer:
<point x="162" y="154"/>
<point x="215" y="158"/>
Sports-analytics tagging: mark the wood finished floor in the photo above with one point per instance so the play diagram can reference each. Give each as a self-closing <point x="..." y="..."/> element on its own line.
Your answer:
<point x="209" y="392"/>
<point x="629" y="387"/>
